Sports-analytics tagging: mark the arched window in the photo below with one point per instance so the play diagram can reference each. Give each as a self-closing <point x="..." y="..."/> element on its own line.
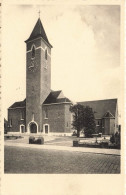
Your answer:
<point x="33" y="51"/>
<point x="46" y="54"/>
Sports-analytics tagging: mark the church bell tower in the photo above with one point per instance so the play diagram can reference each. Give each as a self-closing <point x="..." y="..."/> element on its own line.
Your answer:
<point x="38" y="76"/>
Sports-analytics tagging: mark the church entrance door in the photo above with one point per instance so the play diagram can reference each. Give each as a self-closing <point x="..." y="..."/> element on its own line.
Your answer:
<point x="46" y="129"/>
<point x="33" y="128"/>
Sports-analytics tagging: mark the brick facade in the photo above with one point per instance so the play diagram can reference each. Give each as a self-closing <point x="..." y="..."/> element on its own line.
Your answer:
<point x="58" y="119"/>
<point x="38" y="81"/>
<point x="16" y="119"/>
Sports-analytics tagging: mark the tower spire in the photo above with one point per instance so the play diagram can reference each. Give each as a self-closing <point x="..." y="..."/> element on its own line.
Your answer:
<point x="38" y="31"/>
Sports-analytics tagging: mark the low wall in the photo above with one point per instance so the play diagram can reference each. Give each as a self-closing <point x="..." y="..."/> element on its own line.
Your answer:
<point x="60" y="134"/>
<point x="39" y="133"/>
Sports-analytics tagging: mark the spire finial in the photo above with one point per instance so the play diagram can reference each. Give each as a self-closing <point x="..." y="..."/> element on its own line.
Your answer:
<point x="39" y="13"/>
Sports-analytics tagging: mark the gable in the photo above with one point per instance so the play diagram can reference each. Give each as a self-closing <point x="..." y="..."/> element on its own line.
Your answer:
<point x="61" y="95"/>
<point x="108" y="114"/>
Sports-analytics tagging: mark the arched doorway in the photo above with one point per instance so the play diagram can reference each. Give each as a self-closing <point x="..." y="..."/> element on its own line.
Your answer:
<point x="33" y="128"/>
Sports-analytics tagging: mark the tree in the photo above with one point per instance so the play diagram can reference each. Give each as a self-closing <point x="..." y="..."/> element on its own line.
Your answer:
<point x="83" y="119"/>
<point x="89" y="122"/>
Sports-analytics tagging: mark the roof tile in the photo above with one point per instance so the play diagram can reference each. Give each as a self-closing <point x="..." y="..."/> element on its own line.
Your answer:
<point x="53" y="98"/>
<point x="19" y="104"/>
<point x="100" y="107"/>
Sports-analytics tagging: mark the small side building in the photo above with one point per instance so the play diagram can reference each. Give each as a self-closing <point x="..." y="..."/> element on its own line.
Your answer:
<point x="17" y="117"/>
<point x="106" y="115"/>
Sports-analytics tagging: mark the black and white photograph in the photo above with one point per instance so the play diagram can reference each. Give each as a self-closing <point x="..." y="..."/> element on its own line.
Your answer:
<point x="63" y="89"/>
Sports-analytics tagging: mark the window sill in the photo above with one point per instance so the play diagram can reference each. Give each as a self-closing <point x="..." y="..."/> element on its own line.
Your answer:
<point x="45" y="118"/>
<point x="22" y="119"/>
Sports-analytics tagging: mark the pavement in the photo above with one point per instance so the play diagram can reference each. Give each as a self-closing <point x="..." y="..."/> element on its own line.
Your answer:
<point x="38" y="161"/>
<point x="66" y="148"/>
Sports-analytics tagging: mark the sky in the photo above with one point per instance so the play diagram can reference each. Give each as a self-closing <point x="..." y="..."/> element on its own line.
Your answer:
<point x="85" y="59"/>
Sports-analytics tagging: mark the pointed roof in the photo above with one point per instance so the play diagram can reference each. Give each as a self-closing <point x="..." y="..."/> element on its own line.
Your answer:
<point x="101" y="107"/>
<point x="54" y="97"/>
<point x="37" y="32"/>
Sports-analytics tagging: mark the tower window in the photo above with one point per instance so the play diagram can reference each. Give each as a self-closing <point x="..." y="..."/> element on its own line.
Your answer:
<point x="46" y="54"/>
<point x="33" y="51"/>
<point x="46" y="113"/>
<point x="22" y="115"/>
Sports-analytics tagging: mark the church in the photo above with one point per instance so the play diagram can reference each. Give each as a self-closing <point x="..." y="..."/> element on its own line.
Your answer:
<point x="44" y="110"/>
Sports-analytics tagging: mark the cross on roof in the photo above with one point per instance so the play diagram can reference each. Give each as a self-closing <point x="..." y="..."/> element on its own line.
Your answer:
<point x="39" y="13"/>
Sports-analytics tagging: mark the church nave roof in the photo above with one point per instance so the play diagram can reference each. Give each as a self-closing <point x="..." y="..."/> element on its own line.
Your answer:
<point x="56" y="97"/>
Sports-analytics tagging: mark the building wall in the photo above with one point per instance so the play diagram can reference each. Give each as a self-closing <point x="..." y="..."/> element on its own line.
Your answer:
<point x="45" y="84"/>
<point x="112" y="125"/>
<point x="116" y="119"/>
<point x="68" y="118"/>
<point x="38" y="81"/>
<point x="107" y="126"/>
<point x="98" y="123"/>
<point x="15" y="117"/>
<point x="58" y="117"/>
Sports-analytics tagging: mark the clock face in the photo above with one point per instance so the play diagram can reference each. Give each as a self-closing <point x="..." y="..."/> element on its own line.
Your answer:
<point x="32" y="66"/>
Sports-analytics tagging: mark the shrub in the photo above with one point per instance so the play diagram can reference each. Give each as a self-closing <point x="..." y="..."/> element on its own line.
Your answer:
<point x="40" y="140"/>
<point x="112" y="139"/>
<point x="116" y="140"/>
<point x="104" y="144"/>
<point x="74" y="133"/>
<point x="75" y="143"/>
<point x="89" y="135"/>
<point x="31" y="140"/>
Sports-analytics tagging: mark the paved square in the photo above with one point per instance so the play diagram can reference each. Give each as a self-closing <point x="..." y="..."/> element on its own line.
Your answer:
<point x="32" y="160"/>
